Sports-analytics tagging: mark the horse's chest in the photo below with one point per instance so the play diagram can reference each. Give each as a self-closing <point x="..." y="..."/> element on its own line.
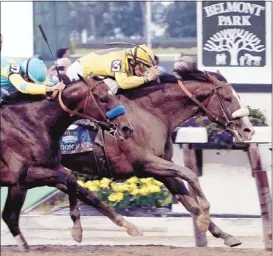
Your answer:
<point x="155" y="140"/>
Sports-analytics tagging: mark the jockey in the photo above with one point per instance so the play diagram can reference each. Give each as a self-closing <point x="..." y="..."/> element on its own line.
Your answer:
<point x="27" y="77"/>
<point x="130" y="67"/>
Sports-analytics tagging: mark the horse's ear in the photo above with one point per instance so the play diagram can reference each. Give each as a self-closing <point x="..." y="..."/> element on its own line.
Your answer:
<point x="218" y="71"/>
<point x="213" y="79"/>
<point x="82" y="79"/>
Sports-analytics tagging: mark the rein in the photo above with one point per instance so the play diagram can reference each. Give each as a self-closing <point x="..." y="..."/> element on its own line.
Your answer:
<point x="224" y="123"/>
<point x="104" y="125"/>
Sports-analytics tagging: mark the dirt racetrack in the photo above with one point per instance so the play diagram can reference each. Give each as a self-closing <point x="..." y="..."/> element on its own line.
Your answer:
<point x="130" y="251"/>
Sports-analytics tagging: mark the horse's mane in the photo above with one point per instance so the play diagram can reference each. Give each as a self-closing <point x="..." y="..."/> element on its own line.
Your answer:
<point x="187" y="73"/>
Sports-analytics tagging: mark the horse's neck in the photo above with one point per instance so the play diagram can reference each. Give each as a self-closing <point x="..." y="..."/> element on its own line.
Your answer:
<point x="170" y="104"/>
<point x="53" y="117"/>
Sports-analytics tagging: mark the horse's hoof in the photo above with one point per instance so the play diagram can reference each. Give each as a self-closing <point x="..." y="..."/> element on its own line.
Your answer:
<point x="22" y="243"/>
<point x="24" y="248"/>
<point x="134" y="231"/>
<point x="232" y="241"/>
<point x="203" y="223"/>
<point x="77" y="234"/>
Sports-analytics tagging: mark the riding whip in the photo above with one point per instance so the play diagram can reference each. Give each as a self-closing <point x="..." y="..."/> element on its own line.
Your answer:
<point x="45" y="38"/>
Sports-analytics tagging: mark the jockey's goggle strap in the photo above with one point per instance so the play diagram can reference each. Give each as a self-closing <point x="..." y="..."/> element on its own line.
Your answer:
<point x="27" y="69"/>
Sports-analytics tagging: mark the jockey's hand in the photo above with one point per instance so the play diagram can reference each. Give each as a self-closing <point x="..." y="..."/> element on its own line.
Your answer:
<point x="59" y="86"/>
<point x="153" y="73"/>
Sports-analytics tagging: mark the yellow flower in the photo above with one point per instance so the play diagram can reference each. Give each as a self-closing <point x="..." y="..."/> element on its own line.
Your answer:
<point x="116" y="197"/>
<point x="81" y="183"/>
<point x="115" y="187"/>
<point x="134" y="192"/>
<point x="96" y="182"/>
<point x="112" y="197"/>
<point x="120" y="196"/>
<point x="105" y="181"/>
<point x="144" y="191"/>
<point x="120" y="187"/>
<point x="88" y="183"/>
<point x="104" y="185"/>
<point x="154" y="189"/>
<point x="146" y="180"/>
<point x="132" y="180"/>
<point x="132" y="187"/>
<point x="93" y="188"/>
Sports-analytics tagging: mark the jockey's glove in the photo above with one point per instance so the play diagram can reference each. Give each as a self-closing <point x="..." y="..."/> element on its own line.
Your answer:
<point x="152" y="73"/>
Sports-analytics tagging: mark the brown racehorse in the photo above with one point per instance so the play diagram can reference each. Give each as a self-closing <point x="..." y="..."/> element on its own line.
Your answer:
<point x="155" y="111"/>
<point x="30" y="153"/>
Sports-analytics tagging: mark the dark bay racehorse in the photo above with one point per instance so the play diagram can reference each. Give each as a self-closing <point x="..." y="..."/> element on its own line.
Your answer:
<point x="155" y="111"/>
<point x="30" y="154"/>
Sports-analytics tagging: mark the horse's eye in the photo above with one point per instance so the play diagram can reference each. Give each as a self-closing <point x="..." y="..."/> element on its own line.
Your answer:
<point x="104" y="99"/>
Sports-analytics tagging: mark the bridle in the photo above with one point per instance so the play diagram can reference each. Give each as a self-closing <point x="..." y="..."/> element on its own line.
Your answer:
<point x="108" y="125"/>
<point x="227" y="122"/>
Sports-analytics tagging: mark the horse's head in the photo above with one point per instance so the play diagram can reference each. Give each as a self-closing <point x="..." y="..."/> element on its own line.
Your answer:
<point x="94" y="100"/>
<point x="227" y="111"/>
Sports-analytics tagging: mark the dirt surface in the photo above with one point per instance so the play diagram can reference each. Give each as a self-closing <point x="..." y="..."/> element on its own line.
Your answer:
<point x="130" y="250"/>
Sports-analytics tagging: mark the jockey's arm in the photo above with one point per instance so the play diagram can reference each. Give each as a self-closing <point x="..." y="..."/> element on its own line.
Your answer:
<point x="21" y="85"/>
<point x="26" y="87"/>
<point x="127" y="82"/>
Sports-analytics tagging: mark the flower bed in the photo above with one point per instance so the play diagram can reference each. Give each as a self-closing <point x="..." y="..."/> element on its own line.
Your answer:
<point x="133" y="192"/>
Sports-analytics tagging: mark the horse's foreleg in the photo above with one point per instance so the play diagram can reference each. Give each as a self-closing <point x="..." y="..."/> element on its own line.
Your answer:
<point x="11" y="213"/>
<point x="38" y="176"/>
<point x="89" y="198"/>
<point x="180" y="191"/>
<point x="158" y="167"/>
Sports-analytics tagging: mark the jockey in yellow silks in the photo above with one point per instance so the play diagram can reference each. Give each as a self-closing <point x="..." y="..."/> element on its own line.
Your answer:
<point x="129" y="67"/>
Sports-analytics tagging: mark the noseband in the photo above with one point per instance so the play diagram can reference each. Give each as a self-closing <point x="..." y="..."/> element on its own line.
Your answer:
<point x="226" y="123"/>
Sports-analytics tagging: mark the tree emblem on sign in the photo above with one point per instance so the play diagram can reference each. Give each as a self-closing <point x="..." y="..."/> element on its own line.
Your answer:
<point x="234" y="41"/>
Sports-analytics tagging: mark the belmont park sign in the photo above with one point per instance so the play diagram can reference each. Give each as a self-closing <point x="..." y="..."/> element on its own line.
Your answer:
<point x="234" y="33"/>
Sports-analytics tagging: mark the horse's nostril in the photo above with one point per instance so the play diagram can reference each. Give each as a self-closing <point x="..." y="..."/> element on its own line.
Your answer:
<point x="247" y="130"/>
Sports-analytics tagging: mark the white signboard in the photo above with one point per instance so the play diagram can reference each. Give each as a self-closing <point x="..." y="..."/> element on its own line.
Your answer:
<point x="17" y="29"/>
<point x="234" y="37"/>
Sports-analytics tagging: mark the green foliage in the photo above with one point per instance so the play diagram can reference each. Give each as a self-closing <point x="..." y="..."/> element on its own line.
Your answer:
<point x="181" y="19"/>
<point x="127" y="19"/>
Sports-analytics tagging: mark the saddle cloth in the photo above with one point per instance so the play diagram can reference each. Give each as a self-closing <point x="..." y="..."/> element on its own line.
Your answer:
<point x="77" y="139"/>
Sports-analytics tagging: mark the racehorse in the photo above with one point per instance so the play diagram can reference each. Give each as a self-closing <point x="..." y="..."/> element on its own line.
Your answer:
<point x="155" y="111"/>
<point x="30" y="152"/>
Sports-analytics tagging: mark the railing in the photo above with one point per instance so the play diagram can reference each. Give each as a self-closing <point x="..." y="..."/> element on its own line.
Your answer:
<point x="188" y="137"/>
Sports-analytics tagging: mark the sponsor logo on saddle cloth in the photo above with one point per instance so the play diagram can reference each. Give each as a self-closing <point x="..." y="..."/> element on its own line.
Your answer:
<point x="77" y="139"/>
